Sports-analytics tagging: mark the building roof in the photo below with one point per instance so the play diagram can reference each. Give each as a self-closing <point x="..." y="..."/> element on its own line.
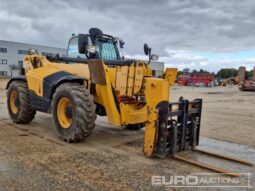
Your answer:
<point x="21" y="43"/>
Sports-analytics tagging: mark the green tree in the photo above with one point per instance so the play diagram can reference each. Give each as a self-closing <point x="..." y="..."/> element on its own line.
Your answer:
<point x="249" y="74"/>
<point x="227" y="73"/>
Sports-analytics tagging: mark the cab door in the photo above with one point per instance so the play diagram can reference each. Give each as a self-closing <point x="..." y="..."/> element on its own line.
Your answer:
<point x="72" y="50"/>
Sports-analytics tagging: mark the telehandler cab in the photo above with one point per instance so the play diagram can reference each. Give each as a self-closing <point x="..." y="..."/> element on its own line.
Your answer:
<point x="95" y="79"/>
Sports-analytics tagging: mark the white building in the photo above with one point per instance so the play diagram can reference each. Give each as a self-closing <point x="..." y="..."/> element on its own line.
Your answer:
<point x="12" y="54"/>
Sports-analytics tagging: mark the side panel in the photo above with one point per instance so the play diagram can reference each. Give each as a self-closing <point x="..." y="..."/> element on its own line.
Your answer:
<point x="42" y="83"/>
<point x="39" y="103"/>
<point x="131" y="74"/>
<point x="121" y="80"/>
<point x="36" y="77"/>
<point x="139" y="74"/>
<point x="131" y="114"/>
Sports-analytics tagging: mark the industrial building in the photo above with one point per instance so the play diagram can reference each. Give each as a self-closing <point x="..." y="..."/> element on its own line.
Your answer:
<point x="12" y="55"/>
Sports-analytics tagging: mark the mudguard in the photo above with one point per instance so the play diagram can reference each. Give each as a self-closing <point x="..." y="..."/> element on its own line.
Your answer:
<point x="16" y="78"/>
<point x="50" y="84"/>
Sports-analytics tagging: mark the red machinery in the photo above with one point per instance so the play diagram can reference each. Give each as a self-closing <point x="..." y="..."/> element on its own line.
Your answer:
<point x="204" y="79"/>
<point x="196" y="79"/>
<point x="183" y="80"/>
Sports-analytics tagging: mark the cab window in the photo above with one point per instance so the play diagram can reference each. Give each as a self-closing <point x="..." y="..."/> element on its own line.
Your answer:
<point x="107" y="50"/>
<point x="73" y="49"/>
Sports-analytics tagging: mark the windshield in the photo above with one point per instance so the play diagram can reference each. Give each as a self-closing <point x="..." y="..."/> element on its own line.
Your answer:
<point x="107" y="49"/>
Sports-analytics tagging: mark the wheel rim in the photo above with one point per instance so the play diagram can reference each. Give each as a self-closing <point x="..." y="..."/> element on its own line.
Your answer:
<point x="14" y="102"/>
<point x="64" y="118"/>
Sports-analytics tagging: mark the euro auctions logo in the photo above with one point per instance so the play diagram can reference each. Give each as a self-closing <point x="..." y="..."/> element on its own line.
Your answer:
<point x="203" y="180"/>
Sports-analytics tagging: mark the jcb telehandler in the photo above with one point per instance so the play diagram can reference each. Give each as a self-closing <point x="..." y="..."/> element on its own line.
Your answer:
<point x="95" y="79"/>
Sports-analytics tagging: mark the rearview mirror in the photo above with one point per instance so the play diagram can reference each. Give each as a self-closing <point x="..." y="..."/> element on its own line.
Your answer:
<point x="147" y="49"/>
<point x="83" y="41"/>
<point x="121" y="43"/>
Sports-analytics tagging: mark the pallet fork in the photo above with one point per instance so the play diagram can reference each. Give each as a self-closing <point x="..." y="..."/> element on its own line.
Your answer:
<point x="182" y="132"/>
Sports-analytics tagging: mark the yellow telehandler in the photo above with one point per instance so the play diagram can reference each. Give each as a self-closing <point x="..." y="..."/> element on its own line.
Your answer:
<point x="95" y="79"/>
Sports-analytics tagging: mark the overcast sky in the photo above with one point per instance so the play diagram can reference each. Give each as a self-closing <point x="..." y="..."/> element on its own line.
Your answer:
<point x="195" y="34"/>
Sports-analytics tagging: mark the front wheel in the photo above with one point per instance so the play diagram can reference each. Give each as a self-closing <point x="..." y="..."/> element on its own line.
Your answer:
<point x="74" y="112"/>
<point x="18" y="103"/>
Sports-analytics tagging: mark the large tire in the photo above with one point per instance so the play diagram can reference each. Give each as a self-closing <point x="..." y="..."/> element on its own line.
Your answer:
<point x="78" y="119"/>
<point x="18" y="103"/>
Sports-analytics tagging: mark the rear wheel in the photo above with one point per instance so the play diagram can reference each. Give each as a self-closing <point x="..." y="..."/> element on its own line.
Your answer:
<point x="73" y="112"/>
<point x="18" y="103"/>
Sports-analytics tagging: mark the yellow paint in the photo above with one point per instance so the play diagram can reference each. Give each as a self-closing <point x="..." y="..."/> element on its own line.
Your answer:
<point x="64" y="121"/>
<point x="121" y="80"/>
<point x="131" y="78"/>
<point x="35" y="75"/>
<point x="133" y="114"/>
<point x="77" y="69"/>
<point x="170" y="75"/>
<point x="151" y="131"/>
<point x="13" y="99"/>
<point x="147" y="70"/>
<point x="139" y="74"/>
<point x="156" y="91"/>
<point x="104" y="97"/>
<point x="112" y="76"/>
